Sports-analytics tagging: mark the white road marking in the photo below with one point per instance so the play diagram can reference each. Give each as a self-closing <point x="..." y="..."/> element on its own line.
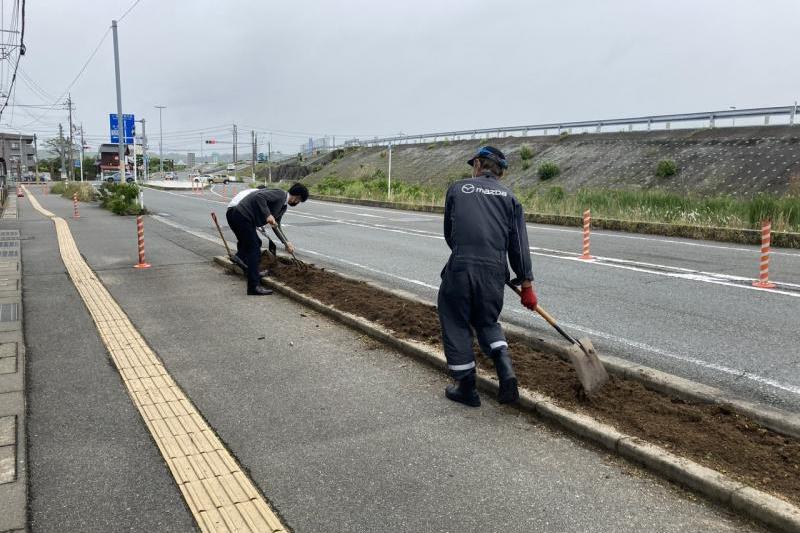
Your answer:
<point x="633" y="266"/>
<point x="594" y="232"/>
<point x="685" y="359"/>
<point x="360" y="214"/>
<point x="351" y="263"/>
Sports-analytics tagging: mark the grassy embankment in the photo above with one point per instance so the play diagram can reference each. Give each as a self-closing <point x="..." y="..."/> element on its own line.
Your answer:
<point x="645" y="206"/>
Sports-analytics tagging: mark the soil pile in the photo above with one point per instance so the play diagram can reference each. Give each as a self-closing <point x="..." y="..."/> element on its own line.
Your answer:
<point x="710" y="435"/>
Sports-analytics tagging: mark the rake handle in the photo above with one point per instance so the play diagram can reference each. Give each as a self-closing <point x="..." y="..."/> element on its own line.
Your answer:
<point x="547" y="316"/>
<point x="214" y="216"/>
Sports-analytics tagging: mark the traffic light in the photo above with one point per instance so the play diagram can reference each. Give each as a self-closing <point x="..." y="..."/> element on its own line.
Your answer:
<point x="211" y="141"/>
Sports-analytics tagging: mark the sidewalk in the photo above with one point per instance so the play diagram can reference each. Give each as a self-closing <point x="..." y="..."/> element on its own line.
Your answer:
<point x="339" y="433"/>
<point x="13" y="474"/>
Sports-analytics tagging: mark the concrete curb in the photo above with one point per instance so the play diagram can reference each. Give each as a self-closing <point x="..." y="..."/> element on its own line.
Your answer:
<point x="740" y="236"/>
<point x="782" y="422"/>
<point x="710" y="483"/>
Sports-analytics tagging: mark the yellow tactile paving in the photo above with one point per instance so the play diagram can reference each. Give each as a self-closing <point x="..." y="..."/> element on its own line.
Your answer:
<point x="221" y="497"/>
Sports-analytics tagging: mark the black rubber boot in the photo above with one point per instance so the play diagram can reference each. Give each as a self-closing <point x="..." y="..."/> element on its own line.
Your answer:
<point x="464" y="391"/>
<point x="509" y="393"/>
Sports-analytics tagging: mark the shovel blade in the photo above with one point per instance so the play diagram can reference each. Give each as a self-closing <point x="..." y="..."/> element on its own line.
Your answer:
<point x="591" y="372"/>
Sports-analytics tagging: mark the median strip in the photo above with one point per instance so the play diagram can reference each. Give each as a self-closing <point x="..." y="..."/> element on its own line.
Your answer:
<point x="710" y="448"/>
<point x="219" y="494"/>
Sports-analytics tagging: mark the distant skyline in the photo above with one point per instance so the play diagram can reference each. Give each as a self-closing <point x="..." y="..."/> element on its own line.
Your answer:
<point x="309" y="68"/>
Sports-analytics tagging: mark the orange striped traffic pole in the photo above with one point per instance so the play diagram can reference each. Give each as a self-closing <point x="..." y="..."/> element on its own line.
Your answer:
<point x="75" y="213"/>
<point x="587" y="225"/>
<point x="763" y="275"/>
<point x="140" y="233"/>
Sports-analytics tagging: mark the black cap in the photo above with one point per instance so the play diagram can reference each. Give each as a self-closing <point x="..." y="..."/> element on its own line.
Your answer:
<point x="492" y="154"/>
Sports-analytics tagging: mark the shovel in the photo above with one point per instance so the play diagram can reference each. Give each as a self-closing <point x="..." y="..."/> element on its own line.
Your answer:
<point x="234" y="259"/>
<point x="279" y="232"/>
<point x="591" y="372"/>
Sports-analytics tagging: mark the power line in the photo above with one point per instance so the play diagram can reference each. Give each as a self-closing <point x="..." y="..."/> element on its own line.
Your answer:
<point x="128" y="11"/>
<point x="80" y="72"/>
<point x="20" y="53"/>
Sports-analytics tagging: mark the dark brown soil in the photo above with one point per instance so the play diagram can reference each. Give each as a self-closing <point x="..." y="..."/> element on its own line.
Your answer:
<point x="711" y="435"/>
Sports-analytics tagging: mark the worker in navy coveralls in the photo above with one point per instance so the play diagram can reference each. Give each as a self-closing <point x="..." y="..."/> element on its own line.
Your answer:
<point x="484" y="226"/>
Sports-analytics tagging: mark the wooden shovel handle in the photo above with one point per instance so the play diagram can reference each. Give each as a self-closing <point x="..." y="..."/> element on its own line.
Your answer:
<point x="547" y="316"/>
<point x="214" y="217"/>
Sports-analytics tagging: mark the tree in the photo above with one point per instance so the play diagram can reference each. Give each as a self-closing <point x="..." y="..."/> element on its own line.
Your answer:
<point x="61" y="148"/>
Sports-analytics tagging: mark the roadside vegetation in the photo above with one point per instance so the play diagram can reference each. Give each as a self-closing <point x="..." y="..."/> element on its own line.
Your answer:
<point x="644" y="206"/>
<point x="85" y="191"/>
<point x="120" y="198"/>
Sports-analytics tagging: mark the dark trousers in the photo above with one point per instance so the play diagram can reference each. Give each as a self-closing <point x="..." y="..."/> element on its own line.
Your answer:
<point x="470" y="296"/>
<point x="248" y="245"/>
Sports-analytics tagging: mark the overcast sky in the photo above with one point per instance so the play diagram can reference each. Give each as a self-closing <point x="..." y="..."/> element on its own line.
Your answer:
<point x="344" y="68"/>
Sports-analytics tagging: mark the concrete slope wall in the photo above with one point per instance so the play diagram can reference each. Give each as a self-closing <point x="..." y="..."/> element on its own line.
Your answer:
<point x="738" y="161"/>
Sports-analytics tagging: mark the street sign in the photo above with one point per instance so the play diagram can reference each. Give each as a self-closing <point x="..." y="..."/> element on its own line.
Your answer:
<point x="127" y="125"/>
<point x="77" y="163"/>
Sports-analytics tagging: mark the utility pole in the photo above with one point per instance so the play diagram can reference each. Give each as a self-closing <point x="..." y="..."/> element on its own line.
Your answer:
<point x="269" y="158"/>
<point x="19" y="160"/>
<point x="61" y="147"/>
<point x="71" y="170"/>
<point x="35" y="158"/>
<point x="82" y="151"/>
<point x="389" y="183"/>
<point x="160" y="142"/>
<point x="120" y="124"/>
<point x="235" y="139"/>
<point x="253" y="165"/>
<point x="144" y="147"/>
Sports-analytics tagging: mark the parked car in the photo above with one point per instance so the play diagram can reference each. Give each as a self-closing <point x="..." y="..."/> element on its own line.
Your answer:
<point x="170" y="176"/>
<point x="223" y="179"/>
<point x="114" y="177"/>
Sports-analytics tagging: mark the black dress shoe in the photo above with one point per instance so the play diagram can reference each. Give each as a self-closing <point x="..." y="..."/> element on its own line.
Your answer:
<point x="259" y="291"/>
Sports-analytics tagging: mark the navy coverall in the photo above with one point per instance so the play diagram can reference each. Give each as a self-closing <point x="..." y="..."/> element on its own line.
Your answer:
<point x="251" y="213"/>
<point x="483" y="224"/>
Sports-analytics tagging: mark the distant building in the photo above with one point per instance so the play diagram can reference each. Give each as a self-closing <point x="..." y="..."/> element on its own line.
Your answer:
<point x="190" y="159"/>
<point x="17" y="155"/>
<point x="108" y="158"/>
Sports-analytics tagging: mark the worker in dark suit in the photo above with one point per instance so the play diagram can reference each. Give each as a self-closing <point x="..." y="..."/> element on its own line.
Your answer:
<point x="260" y="208"/>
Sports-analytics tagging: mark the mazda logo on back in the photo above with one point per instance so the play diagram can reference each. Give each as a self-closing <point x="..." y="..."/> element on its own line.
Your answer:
<point x="468" y="188"/>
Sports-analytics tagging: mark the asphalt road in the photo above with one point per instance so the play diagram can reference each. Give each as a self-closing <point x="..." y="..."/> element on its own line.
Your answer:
<point x="340" y="433"/>
<point x="682" y="306"/>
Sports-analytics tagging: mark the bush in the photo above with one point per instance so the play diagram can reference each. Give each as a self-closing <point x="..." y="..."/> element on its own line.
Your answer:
<point x="84" y="191"/>
<point x="120" y="198"/>
<point x="526" y="152"/>
<point x="666" y="168"/>
<point x="548" y="170"/>
<point x="526" y="165"/>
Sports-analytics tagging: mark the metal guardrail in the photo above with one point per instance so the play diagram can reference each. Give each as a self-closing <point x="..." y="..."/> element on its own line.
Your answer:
<point x="710" y="116"/>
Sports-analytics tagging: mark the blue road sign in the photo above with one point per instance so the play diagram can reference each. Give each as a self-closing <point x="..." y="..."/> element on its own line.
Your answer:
<point x="127" y="125"/>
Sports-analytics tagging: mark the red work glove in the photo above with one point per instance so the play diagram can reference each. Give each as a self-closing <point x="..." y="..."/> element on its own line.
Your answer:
<point x="529" y="299"/>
